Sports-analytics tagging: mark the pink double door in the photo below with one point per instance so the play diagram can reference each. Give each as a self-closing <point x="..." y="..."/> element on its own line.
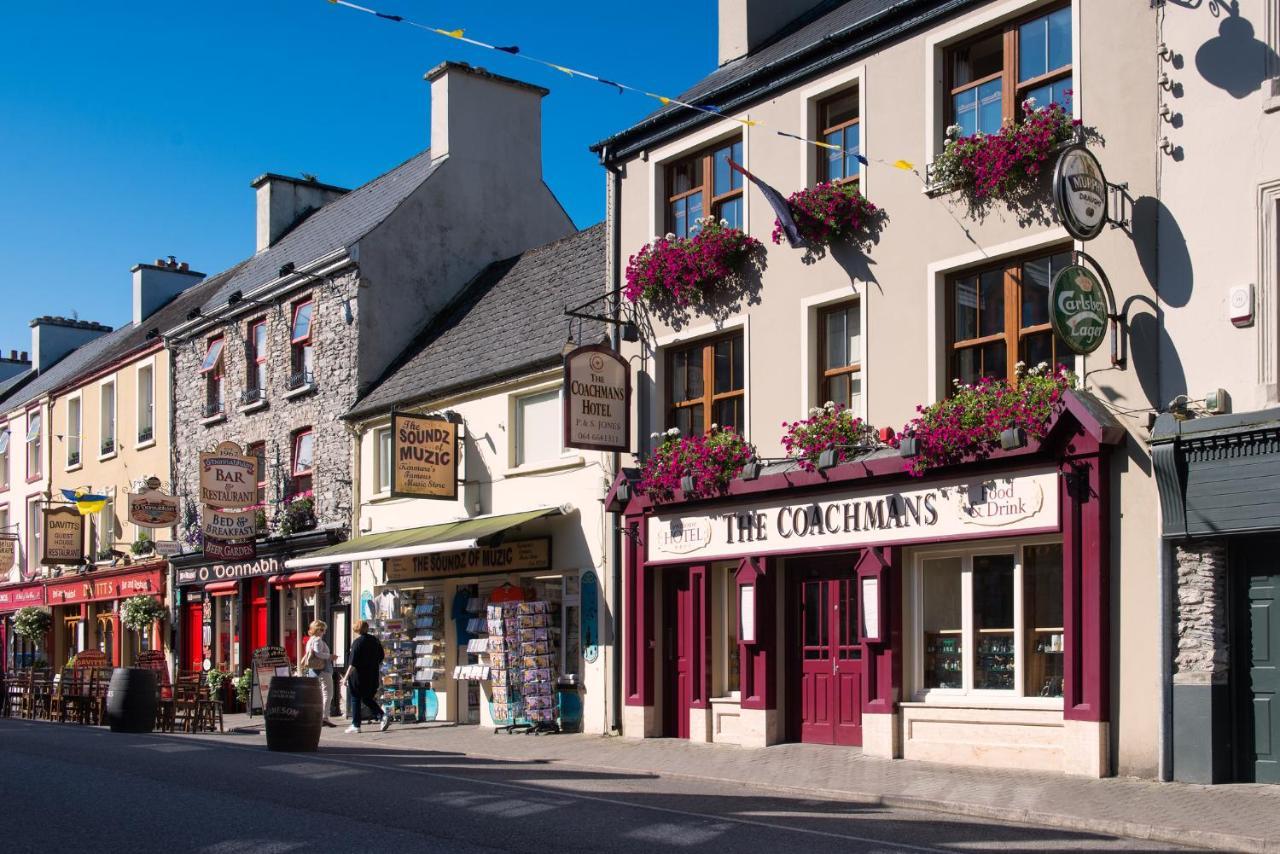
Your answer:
<point x="826" y="695"/>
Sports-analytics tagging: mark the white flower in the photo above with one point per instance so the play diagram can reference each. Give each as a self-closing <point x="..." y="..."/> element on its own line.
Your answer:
<point x="715" y="426"/>
<point x="670" y="236"/>
<point x="724" y="223"/>
<point x="813" y="411"/>
<point x="1029" y="103"/>
<point x="954" y="130"/>
<point x="655" y="435"/>
<point x="829" y="405"/>
<point x="674" y="431"/>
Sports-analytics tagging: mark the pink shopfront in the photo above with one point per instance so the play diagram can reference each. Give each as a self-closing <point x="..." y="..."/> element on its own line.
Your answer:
<point x="19" y="652"/>
<point x="958" y="617"/>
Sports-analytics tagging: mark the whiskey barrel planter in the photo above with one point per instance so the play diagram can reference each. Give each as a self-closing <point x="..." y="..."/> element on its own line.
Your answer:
<point x="131" y="700"/>
<point x="293" y="715"/>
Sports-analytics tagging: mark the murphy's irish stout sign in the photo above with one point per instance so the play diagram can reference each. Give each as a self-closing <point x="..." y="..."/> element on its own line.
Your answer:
<point x="597" y="400"/>
<point x="424" y="456"/>
<point x="228" y="478"/>
<point x="1080" y="193"/>
<point x="63" y="536"/>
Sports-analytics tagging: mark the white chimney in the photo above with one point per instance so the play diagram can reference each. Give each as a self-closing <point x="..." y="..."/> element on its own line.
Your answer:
<point x="55" y="337"/>
<point x="155" y="285"/>
<point x="747" y="24"/>
<point x="478" y="115"/>
<point x="283" y="202"/>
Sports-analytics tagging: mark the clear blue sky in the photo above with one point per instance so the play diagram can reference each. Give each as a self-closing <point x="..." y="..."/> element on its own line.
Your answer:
<point x="130" y="131"/>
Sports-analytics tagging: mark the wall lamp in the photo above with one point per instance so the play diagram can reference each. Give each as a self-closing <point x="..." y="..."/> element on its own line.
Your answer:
<point x="1012" y="438"/>
<point x="686" y="484"/>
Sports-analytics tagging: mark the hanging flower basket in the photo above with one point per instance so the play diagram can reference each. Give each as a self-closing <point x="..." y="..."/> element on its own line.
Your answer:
<point x="705" y="463"/>
<point x="684" y="271"/>
<point x="1007" y="165"/>
<point x="830" y="213"/>
<point x="298" y="516"/>
<point x="969" y="423"/>
<point x="139" y="612"/>
<point x="32" y="623"/>
<point x="829" y="427"/>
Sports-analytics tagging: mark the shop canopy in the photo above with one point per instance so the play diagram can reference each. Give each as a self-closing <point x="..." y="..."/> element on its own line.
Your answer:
<point x="444" y="537"/>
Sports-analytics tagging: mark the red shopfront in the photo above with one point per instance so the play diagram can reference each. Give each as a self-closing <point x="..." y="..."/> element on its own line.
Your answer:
<point x="86" y="612"/>
<point x="19" y="652"/>
<point x="959" y="617"/>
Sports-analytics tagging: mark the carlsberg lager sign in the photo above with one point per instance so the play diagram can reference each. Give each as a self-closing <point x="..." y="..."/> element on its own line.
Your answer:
<point x="1078" y="308"/>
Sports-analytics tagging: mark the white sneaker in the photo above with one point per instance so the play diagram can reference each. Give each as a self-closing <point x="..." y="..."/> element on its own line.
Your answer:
<point x="386" y="723"/>
<point x="354" y="729"/>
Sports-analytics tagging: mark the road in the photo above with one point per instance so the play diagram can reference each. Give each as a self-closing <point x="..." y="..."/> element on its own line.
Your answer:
<point x="79" y="788"/>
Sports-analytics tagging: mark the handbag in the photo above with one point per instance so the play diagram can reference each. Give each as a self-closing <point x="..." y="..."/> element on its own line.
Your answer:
<point x="310" y="661"/>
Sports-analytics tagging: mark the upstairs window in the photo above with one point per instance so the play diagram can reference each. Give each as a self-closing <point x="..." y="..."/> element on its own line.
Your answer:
<point x="303" y="460"/>
<point x="256" y="361"/>
<point x="73" y="432"/>
<point x="107" y="418"/>
<point x="989" y="76"/>
<point x="5" y="437"/>
<point x="146" y="404"/>
<point x="841" y="127"/>
<point x="258" y="450"/>
<point x="300" y="344"/>
<point x="539" y="427"/>
<point x="211" y="367"/>
<point x="705" y="385"/>
<point x="35" y="443"/>
<point x="382" y="456"/>
<point x="840" y="355"/>
<point x="704" y="185"/>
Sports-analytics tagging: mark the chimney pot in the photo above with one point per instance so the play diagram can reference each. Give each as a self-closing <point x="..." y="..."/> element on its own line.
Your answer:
<point x="744" y="25"/>
<point x="284" y="201"/>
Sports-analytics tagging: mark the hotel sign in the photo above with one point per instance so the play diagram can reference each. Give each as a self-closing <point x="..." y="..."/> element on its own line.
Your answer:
<point x="228" y="477"/>
<point x="151" y="508"/>
<point x="424" y="457"/>
<point x="63" y="536"/>
<point x="597" y="400"/>
<point x="519" y="556"/>
<point x="953" y="510"/>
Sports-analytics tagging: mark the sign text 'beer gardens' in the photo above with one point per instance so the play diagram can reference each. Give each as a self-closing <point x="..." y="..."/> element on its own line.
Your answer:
<point x="424" y="456"/>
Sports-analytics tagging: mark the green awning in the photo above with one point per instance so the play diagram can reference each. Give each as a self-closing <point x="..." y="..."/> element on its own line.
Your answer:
<point x="446" y="536"/>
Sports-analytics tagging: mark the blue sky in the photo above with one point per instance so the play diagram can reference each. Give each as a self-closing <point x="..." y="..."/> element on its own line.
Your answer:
<point x="130" y="131"/>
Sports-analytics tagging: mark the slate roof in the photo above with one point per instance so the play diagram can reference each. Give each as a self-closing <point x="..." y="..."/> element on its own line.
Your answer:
<point x="337" y="225"/>
<point x="507" y="321"/>
<point x="818" y="38"/>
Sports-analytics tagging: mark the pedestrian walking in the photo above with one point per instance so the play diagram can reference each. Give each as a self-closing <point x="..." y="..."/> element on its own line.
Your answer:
<point x="362" y="677"/>
<point x="317" y="661"/>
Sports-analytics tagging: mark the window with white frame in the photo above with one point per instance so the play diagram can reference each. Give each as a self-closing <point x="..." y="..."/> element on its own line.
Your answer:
<point x="211" y="369"/>
<point x="146" y="404"/>
<point x="302" y="467"/>
<point x="382" y="459"/>
<point x="539" y="436"/>
<point x="106" y="529"/>
<point x="35" y="444"/>
<point x="73" y="431"/>
<point x="5" y="438"/>
<point x="840" y="355"/>
<point x="35" y="526"/>
<point x="5" y="531"/>
<point x="990" y="621"/>
<point x="107" y="417"/>
<point x="300" y="344"/>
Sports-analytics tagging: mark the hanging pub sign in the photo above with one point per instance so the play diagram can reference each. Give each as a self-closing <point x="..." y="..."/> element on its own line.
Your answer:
<point x="8" y="552"/>
<point x="63" y="536"/>
<point x="228" y="477"/>
<point x="230" y="549"/>
<point x="424" y="456"/>
<point x="597" y="400"/>
<point x="1080" y="192"/>
<point x="151" y="508"/>
<point x="229" y="524"/>
<point x="1078" y="308"/>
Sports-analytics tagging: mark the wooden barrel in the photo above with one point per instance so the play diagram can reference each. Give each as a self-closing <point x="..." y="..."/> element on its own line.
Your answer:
<point x="293" y="715"/>
<point x="131" y="700"/>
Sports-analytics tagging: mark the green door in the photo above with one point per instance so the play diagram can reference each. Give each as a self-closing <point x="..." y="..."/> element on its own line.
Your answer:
<point x="1264" y="676"/>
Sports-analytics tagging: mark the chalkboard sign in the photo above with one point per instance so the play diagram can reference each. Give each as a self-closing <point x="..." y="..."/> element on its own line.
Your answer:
<point x="268" y="661"/>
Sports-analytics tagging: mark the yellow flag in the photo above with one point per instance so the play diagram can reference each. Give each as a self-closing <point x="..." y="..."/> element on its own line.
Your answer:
<point x="748" y="122"/>
<point x="665" y="101"/>
<point x="568" y="71"/>
<point x="453" y="34"/>
<point x="904" y="165"/>
<point x="88" y="508"/>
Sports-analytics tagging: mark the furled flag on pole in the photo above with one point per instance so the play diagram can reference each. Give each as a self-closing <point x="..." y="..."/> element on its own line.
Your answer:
<point x="779" y="204"/>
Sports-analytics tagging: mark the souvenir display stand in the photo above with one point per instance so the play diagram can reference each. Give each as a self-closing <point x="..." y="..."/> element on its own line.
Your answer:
<point x="521" y="660"/>
<point x="408" y="625"/>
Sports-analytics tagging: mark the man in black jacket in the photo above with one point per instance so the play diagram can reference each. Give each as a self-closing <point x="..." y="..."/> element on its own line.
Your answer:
<point x="362" y="676"/>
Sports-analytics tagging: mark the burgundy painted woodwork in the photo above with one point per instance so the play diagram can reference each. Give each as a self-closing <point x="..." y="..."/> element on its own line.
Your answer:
<point x="640" y="639"/>
<point x="193" y="635"/>
<point x="257" y="616"/>
<point x="1086" y="592"/>
<point x="699" y="631"/>
<point x="827" y="685"/>
<point x="882" y="667"/>
<point x="679" y="651"/>
<point x="757" y="661"/>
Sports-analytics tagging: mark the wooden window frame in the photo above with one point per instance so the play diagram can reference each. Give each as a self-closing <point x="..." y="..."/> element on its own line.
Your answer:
<point x="295" y="474"/>
<point x="257" y="356"/>
<point x="826" y="375"/>
<point x="1014" y="332"/>
<point x="1011" y="89"/>
<point x="710" y="201"/>
<point x="824" y="162"/>
<point x="709" y="397"/>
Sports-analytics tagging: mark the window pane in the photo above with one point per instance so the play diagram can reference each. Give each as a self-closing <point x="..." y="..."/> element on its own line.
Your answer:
<point x="727" y="178"/>
<point x="965" y="108"/>
<point x="538" y="433"/>
<point x="728" y="413"/>
<point x="682" y="178"/>
<point x="303" y="453"/>
<point x="1033" y="48"/>
<point x="1042" y="595"/>
<point x="683" y="421"/>
<point x="840" y="109"/>
<point x="1052" y="93"/>
<point x="724" y="366"/>
<point x="991" y="303"/>
<point x="1037" y="348"/>
<point x="679" y="221"/>
<point x="942" y="641"/>
<point x="698" y="421"/>
<point x="855" y="393"/>
<point x="988" y="360"/>
<point x="993" y="622"/>
<point x="966" y="309"/>
<point x="259" y="340"/>
<point x="1060" y="38"/>
<point x="1036" y="276"/>
<point x="852" y="148"/>
<point x="835" y="159"/>
<point x="837" y="355"/>
<point x="853" y="332"/>
<point x="977" y="60"/>
<point x="302" y="321"/>
<point x="693" y="374"/>
<point x="384" y="459"/>
<point x="731" y="212"/>
<point x="990" y="116"/>
<point x="679" y="366"/>
<point x="211" y="356"/>
<point x="693" y="213"/>
<point x="836" y="390"/>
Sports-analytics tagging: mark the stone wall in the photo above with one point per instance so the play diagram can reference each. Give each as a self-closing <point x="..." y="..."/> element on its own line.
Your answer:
<point x="1202" y="656"/>
<point x="334" y="360"/>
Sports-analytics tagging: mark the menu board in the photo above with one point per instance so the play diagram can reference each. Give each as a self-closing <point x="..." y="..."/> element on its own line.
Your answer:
<point x="268" y="662"/>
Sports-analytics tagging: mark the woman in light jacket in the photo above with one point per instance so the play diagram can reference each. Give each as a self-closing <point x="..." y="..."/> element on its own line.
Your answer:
<point x="317" y="652"/>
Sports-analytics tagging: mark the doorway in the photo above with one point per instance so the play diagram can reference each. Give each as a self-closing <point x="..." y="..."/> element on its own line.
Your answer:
<point x="678" y="651"/>
<point x="193" y="636"/>
<point x="1257" y="667"/>
<point x="825" y="696"/>
<point x="256" y="618"/>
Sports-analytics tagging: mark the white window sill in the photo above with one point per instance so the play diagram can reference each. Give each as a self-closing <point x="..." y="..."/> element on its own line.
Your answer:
<point x="981" y="701"/>
<point x="214" y="419"/>
<point x="110" y="456"/>
<point x="384" y="497"/>
<point x="75" y="467"/>
<point x="142" y="446"/>
<point x="255" y="406"/>
<point x="576" y="461"/>
<point x="300" y="391"/>
<point x="726" y="701"/>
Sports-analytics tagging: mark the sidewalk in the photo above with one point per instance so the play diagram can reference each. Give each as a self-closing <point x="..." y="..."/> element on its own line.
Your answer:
<point x="1236" y="817"/>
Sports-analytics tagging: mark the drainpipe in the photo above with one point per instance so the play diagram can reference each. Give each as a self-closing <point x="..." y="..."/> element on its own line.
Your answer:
<point x="615" y="544"/>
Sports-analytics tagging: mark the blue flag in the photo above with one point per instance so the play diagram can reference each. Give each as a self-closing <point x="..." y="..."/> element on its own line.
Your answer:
<point x="781" y="209"/>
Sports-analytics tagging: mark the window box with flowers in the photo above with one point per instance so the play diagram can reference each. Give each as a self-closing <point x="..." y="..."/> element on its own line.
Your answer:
<point x="830" y="427"/>
<point x="297" y="516"/>
<point x="700" y="466"/>
<point x="833" y="212"/>
<point x="676" y="273"/>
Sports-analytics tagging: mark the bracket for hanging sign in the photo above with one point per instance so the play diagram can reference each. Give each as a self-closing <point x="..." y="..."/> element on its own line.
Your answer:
<point x="1119" y="354"/>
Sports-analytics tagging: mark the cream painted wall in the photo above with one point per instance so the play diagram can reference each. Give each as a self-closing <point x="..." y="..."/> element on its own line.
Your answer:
<point x="495" y="485"/>
<point x="900" y="280"/>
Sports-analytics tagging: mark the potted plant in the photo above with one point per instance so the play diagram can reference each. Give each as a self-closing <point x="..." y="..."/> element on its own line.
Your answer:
<point x="830" y="213"/>
<point x="32" y="623"/>
<point x="299" y="515"/>
<point x="678" y="272"/>
<point x="700" y="466"/>
<point x="832" y="427"/>
<point x="142" y="546"/>
<point x="141" y="612"/>
<point x="242" y="684"/>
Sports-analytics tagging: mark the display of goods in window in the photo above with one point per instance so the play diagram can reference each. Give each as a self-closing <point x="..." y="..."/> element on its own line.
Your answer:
<point x="683" y="271"/>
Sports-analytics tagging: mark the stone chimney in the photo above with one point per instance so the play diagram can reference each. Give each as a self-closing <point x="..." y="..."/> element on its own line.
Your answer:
<point x="13" y="364"/>
<point x="155" y="285"/>
<point x="747" y="24"/>
<point x="481" y="116"/>
<point x="283" y="202"/>
<point x="54" y="337"/>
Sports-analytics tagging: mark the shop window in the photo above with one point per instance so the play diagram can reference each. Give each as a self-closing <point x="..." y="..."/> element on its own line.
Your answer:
<point x="989" y="76"/>
<point x="840" y="127"/>
<point x="999" y="316"/>
<point x="728" y="676"/>
<point x="539" y="436"/>
<point x="382" y="459"/>
<point x="840" y="361"/>
<point x="211" y="367"/>
<point x="300" y="352"/>
<point x="73" y="432"/>
<point x="107" y="418"/>
<point x="303" y="460"/>
<point x="146" y="404"/>
<point x="226" y="645"/>
<point x="704" y="185"/>
<point x="991" y="621"/>
<point x="35" y="444"/>
<point x="5" y="436"/>
<point x="705" y="385"/>
<point x="256" y="361"/>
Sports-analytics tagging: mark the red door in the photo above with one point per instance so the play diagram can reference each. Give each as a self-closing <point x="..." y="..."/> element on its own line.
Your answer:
<point x="829" y="656"/>
<point x="257" y="615"/>
<point x="193" y="636"/>
<point x="677" y="617"/>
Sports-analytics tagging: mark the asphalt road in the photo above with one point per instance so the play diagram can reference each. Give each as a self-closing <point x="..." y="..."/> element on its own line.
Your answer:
<point x="78" y="788"/>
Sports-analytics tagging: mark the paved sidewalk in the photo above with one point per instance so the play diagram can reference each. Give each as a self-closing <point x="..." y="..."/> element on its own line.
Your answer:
<point x="1235" y="817"/>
